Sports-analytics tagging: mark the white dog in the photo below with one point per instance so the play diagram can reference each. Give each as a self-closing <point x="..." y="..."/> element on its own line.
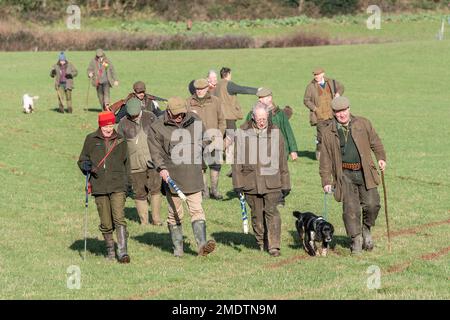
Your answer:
<point x="28" y="103"/>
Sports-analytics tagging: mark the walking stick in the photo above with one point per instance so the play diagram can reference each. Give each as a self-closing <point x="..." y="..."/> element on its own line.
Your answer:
<point x="59" y="97"/>
<point x="244" y="212"/>
<point x="386" y="211"/>
<point x="86" y="214"/>
<point x="87" y="96"/>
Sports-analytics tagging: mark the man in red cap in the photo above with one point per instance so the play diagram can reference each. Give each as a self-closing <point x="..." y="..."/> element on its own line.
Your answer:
<point x="104" y="157"/>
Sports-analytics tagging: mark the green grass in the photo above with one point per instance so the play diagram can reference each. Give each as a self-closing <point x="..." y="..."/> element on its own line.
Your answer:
<point x="401" y="87"/>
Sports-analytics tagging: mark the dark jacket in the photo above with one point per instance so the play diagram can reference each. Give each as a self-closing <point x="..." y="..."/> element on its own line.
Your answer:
<point x="113" y="174"/>
<point x="366" y="141"/>
<point x="71" y="72"/>
<point x="259" y="178"/>
<point x="110" y="71"/>
<point x="166" y="149"/>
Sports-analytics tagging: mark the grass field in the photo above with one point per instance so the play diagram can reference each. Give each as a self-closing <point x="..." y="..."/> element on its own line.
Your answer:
<point x="401" y="87"/>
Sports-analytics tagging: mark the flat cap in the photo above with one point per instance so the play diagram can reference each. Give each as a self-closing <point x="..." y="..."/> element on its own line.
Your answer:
<point x="263" y="92"/>
<point x="139" y="87"/>
<point x="99" y="53"/>
<point x="176" y="105"/>
<point x="318" y="70"/>
<point x="340" y="103"/>
<point x="133" y="107"/>
<point x="200" y="83"/>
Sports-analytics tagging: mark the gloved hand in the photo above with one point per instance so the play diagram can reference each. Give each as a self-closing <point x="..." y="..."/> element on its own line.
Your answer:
<point x="68" y="76"/>
<point x="53" y="73"/>
<point x="285" y="192"/>
<point x="87" y="166"/>
<point x="130" y="192"/>
<point x="238" y="191"/>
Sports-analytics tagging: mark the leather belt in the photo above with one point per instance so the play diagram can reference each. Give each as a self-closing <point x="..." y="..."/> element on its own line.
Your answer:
<point x="351" y="166"/>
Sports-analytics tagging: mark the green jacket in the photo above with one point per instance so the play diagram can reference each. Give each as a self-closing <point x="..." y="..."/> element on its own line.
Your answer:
<point x="71" y="71"/>
<point x="167" y="143"/>
<point x="280" y="119"/>
<point x="113" y="175"/>
<point x="366" y="140"/>
<point x="136" y="133"/>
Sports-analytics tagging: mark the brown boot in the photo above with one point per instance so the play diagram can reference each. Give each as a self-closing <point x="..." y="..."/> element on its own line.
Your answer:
<point x="214" y="194"/>
<point x="109" y="242"/>
<point x="155" y="202"/>
<point x="142" y="209"/>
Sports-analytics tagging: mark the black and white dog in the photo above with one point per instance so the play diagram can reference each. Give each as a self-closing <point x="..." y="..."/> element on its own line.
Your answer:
<point x="312" y="229"/>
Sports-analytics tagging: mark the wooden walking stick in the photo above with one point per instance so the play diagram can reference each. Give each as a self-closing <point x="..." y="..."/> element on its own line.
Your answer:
<point x="386" y="211"/>
<point x="87" y="96"/>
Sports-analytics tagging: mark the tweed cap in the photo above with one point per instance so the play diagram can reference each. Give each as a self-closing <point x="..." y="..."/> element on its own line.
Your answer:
<point x="201" y="84"/>
<point x="340" y="103"/>
<point x="139" y="87"/>
<point x="176" y="105"/>
<point x="318" y="70"/>
<point x="263" y="92"/>
<point x="99" y="53"/>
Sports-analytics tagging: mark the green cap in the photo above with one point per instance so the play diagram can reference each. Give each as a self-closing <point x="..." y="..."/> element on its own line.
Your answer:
<point x="176" y="105"/>
<point x="133" y="106"/>
<point x="263" y="92"/>
<point x="340" y="103"/>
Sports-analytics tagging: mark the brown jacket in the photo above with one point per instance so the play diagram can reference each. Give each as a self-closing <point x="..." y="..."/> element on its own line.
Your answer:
<point x="71" y="71"/>
<point x="209" y="109"/>
<point x="110" y="71"/>
<point x="366" y="140"/>
<point x="166" y="148"/>
<point x="231" y="108"/>
<point x="311" y="98"/>
<point x="258" y="178"/>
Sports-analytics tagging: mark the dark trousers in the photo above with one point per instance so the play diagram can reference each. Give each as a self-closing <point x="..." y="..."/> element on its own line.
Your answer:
<point x="103" y="94"/>
<point x="110" y="210"/>
<point x="266" y="219"/>
<point x="356" y="199"/>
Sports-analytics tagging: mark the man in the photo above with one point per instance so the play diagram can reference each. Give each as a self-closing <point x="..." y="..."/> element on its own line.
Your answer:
<point x="280" y="119"/>
<point x="105" y="158"/>
<point x="209" y="109"/>
<point x="176" y="146"/>
<point x="148" y="102"/>
<point x="64" y="72"/>
<point x="263" y="180"/>
<point x="103" y="77"/>
<point x="146" y="182"/>
<point x="318" y="95"/>
<point x="212" y="81"/>
<point x="346" y="164"/>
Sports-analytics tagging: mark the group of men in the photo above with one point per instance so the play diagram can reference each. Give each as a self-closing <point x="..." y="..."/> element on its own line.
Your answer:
<point x="156" y="152"/>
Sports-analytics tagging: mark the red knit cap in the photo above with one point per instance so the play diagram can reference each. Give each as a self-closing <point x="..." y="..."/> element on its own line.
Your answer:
<point x="106" y="118"/>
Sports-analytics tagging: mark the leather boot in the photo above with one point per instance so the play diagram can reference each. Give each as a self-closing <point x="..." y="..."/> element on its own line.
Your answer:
<point x="176" y="233"/>
<point x="204" y="247"/>
<point x="367" y="238"/>
<point x="356" y="247"/>
<point x="142" y="209"/>
<point x="122" y="236"/>
<point x="205" y="192"/>
<point x="214" y="194"/>
<point x="109" y="242"/>
<point x="155" y="202"/>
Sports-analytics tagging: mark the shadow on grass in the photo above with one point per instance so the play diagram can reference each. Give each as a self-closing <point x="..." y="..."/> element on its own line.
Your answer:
<point x="307" y="154"/>
<point x="230" y="195"/>
<point x="132" y="215"/>
<point x="93" y="109"/>
<point x="235" y="240"/>
<point x="162" y="241"/>
<point x="93" y="246"/>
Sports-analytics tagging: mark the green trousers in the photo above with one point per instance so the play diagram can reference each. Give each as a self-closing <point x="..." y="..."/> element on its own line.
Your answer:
<point x="110" y="209"/>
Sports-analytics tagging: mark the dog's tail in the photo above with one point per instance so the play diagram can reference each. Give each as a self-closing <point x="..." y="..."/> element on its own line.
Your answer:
<point x="296" y="214"/>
